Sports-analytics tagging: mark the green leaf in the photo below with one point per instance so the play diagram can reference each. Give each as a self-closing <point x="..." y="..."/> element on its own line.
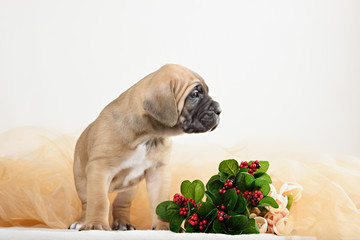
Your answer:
<point x="212" y="214"/>
<point x="268" y="201"/>
<point x="240" y="204"/>
<point x="219" y="227"/>
<point x="264" y="166"/>
<point x="209" y="197"/>
<point x="223" y="176"/>
<point x="229" y="199"/>
<point x="205" y="208"/>
<point x="251" y="227"/>
<point x="243" y="169"/>
<point x="290" y="201"/>
<point x="240" y="181"/>
<point x="266" y="177"/>
<point x="166" y="210"/>
<point x="230" y="167"/>
<point x="213" y="191"/>
<point x="176" y="222"/>
<point x="249" y="180"/>
<point x="213" y="178"/>
<point x="190" y="229"/>
<point x="236" y="223"/>
<point x="244" y="181"/>
<point x="197" y="190"/>
<point x="214" y="187"/>
<point x="184" y="189"/>
<point x="262" y="185"/>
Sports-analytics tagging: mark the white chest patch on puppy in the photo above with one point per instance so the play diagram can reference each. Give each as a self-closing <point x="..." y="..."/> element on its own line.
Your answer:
<point x="137" y="163"/>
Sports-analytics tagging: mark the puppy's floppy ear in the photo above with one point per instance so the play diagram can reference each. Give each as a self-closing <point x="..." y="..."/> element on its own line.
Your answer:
<point x="160" y="103"/>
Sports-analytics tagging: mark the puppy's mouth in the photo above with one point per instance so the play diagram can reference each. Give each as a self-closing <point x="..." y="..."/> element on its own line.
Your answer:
<point x="207" y="121"/>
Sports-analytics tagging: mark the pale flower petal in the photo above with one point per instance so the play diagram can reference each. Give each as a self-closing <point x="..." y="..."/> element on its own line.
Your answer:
<point x="285" y="212"/>
<point x="281" y="201"/>
<point x="273" y="218"/>
<point x="293" y="189"/>
<point x="282" y="227"/>
<point x="255" y="210"/>
<point x="252" y="215"/>
<point x="297" y="197"/>
<point x="272" y="191"/>
<point x="270" y="218"/>
<point x="262" y="224"/>
<point x="270" y="229"/>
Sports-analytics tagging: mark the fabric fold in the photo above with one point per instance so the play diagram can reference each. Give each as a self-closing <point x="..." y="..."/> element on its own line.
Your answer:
<point x="37" y="185"/>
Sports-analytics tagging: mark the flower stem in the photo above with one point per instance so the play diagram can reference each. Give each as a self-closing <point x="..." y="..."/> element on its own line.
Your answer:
<point x="247" y="211"/>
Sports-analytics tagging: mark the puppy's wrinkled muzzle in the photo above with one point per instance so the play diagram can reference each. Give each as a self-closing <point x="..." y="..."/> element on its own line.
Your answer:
<point x="207" y="120"/>
<point x="215" y="107"/>
<point x="212" y="119"/>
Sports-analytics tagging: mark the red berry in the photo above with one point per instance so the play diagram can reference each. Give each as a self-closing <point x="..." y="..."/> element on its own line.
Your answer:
<point x="204" y="222"/>
<point x="221" y="218"/>
<point x="201" y="227"/>
<point x="223" y="207"/>
<point x="256" y="197"/>
<point x="220" y="191"/>
<point x="230" y="184"/>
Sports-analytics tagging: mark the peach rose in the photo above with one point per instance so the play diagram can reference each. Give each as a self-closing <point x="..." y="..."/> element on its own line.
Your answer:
<point x="255" y="210"/>
<point x="282" y="227"/>
<point x="281" y="201"/>
<point x="272" y="218"/>
<point x="252" y="215"/>
<point x="276" y="224"/>
<point x="270" y="229"/>
<point x="262" y="224"/>
<point x="293" y="189"/>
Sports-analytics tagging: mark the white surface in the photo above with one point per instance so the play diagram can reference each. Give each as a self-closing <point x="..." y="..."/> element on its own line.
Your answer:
<point x="54" y="234"/>
<point x="281" y="70"/>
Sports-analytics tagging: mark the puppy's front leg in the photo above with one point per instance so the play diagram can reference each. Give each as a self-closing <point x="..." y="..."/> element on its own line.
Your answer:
<point x="97" y="211"/>
<point x="158" y="181"/>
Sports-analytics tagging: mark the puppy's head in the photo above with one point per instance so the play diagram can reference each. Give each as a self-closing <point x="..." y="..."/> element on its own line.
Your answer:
<point x="200" y="113"/>
<point x="178" y="97"/>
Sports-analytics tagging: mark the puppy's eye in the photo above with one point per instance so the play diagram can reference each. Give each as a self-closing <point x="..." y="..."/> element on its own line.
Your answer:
<point x="195" y="94"/>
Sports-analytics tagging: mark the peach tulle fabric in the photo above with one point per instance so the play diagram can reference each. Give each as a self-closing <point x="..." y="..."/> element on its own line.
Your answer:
<point x="37" y="186"/>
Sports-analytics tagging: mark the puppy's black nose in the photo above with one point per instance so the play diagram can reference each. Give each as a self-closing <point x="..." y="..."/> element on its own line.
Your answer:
<point x="215" y="106"/>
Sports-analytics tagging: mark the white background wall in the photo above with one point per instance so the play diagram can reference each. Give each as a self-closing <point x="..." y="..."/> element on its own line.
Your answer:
<point x="282" y="70"/>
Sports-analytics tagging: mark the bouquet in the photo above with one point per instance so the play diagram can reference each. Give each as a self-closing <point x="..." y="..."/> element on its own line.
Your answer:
<point x="239" y="200"/>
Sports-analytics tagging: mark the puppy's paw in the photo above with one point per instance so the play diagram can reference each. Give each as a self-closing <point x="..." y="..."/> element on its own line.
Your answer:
<point x="120" y="226"/>
<point x="161" y="226"/>
<point x="95" y="226"/>
<point x="76" y="225"/>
